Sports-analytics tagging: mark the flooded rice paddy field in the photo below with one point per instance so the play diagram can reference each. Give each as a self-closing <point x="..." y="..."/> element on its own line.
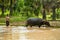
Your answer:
<point x="28" y="33"/>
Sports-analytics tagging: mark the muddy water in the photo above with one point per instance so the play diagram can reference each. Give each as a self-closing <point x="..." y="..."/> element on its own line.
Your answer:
<point x="23" y="33"/>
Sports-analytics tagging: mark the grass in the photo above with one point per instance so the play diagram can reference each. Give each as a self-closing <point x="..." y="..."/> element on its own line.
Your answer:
<point x="13" y="19"/>
<point x="18" y="21"/>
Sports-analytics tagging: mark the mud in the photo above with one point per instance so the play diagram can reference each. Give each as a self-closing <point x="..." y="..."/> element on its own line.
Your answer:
<point x="24" y="33"/>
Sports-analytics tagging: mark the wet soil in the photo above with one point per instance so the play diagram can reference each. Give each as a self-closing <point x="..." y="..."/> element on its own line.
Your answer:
<point x="28" y="33"/>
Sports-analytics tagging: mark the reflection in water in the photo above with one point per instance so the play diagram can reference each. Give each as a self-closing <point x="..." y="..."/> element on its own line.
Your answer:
<point x="22" y="37"/>
<point x="7" y="36"/>
<point x="23" y="33"/>
<point x="5" y="33"/>
<point x="19" y="33"/>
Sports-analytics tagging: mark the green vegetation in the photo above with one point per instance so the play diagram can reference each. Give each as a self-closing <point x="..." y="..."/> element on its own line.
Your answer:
<point x="46" y="9"/>
<point x="20" y="10"/>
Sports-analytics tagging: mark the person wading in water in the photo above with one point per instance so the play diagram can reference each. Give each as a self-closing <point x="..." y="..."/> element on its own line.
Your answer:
<point x="7" y="20"/>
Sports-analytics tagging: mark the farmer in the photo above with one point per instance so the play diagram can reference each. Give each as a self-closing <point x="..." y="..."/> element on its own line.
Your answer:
<point x="7" y="20"/>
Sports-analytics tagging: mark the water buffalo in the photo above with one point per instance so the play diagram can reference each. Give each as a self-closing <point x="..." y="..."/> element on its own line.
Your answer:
<point x="36" y="21"/>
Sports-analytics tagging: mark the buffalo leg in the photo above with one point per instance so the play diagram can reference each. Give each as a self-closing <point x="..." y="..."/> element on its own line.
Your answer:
<point x="39" y="26"/>
<point x="26" y="25"/>
<point x="47" y="23"/>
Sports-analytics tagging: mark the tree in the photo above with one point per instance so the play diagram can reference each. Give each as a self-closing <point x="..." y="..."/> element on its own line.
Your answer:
<point x="2" y="8"/>
<point x="43" y="11"/>
<point x="3" y="5"/>
<point x="11" y="9"/>
<point x="34" y="6"/>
